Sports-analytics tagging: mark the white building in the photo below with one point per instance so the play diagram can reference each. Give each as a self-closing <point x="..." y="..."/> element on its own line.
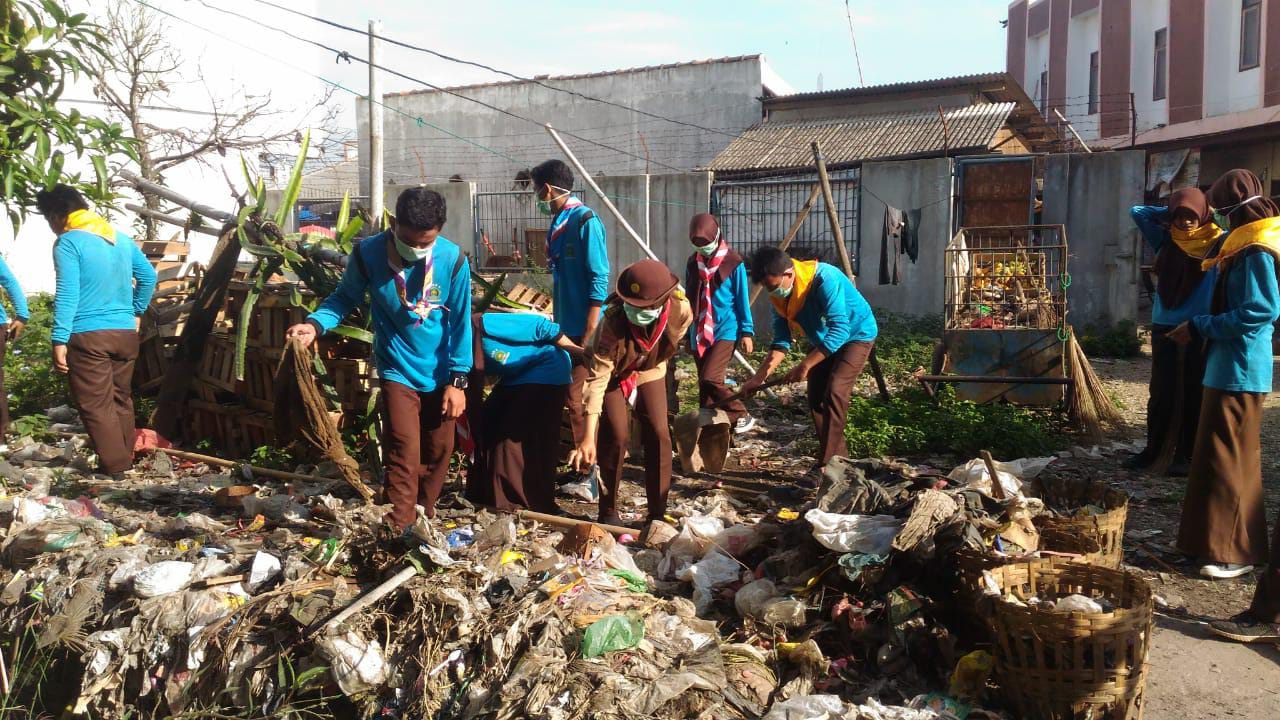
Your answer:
<point x="1195" y="82"/>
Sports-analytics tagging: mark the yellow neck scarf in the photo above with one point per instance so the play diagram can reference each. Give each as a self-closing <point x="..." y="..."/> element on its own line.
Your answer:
<point x="1198" y="242"/>
<point x="91" y="222"/>
<point x="789" y="306"/>
<point x="1264" y="233"/>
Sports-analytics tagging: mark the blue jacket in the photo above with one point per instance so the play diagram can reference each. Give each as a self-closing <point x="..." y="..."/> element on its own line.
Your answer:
<point x="1240" y="338"/>
<point x="834" y="314"/>
<point x="1152" y="222"/>
<point x="520" y="349"/>
<point x="421" y="355"/>
<point x="579" y="266"/>
<point x="100" y="286"/>
<point x="730" y="299"/>
<point x="14" y="291"/>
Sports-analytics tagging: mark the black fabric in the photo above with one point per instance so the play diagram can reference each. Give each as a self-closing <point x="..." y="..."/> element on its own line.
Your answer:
<point x="898" y="237"/>
<point x="1178" y="275"/>
<point x="1166" y="383"/>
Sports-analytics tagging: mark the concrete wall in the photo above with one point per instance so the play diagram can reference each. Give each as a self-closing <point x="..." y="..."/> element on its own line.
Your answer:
<point x="674" y="199"/>
<point x="720" y="95"/>
<point x="631" y="196"/>
<point x="1091" y="195"/>
<point x="908" y="185"/>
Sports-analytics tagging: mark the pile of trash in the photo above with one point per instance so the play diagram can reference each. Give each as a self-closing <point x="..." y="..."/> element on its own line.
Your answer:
<point x="183" y="589"/>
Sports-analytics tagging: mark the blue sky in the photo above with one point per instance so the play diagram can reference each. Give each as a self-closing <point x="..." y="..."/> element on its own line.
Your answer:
<point x="897" y="41"/>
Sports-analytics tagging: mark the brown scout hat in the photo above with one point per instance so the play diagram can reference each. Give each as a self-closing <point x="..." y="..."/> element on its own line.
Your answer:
<point x="646" y="283"/>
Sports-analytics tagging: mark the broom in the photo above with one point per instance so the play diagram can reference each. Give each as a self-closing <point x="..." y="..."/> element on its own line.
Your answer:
<point x="1088" y="404"/>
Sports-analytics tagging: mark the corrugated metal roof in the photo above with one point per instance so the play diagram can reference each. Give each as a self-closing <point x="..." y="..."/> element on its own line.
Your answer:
<point x="957" y="81"/>
<point x="782" y="146"/>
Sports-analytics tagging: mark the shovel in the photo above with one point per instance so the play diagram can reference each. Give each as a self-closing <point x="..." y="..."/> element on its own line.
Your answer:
<point x="702" y="436"/>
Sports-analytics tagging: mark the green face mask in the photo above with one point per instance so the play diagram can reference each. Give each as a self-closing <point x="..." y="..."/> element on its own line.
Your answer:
<point x="544" y="206"/>
<point x="1220" y="219"/>
<point x="710" y="248"/>
<point x="782" y="291"/>
<point x="642" y="317"/>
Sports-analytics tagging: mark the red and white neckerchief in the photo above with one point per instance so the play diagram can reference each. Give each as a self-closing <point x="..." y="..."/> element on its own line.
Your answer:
<point x="629" y="383"/>
<point x="707" y="268"/>
<point x="416" y="302"/>
<point x="562" y="222"/>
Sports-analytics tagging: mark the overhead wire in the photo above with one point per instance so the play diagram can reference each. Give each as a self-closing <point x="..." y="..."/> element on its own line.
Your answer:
<point x="348" y="56"/>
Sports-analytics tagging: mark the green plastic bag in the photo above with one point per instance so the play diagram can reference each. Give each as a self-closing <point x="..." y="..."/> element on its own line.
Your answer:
<point x="615" y="632"/>
<point x="634" y="582"/>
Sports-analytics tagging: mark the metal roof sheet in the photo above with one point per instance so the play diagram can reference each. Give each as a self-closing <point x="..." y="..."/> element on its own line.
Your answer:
<point x="848" y="140"/>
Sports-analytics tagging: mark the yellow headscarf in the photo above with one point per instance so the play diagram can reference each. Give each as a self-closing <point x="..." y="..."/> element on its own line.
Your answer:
<point x="789" y="306"/>
<point x="1264" y="233"/>
<point x="91" y="222"/>
<point x="1198" y="242"/>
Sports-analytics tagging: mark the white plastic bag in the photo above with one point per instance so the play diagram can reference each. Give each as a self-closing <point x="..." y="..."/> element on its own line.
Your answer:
<point x="162" y="578"/>
<point x="357" y="665"/>
<point x="869" y="534"/>
<point x="809" y="707"/>
<point x="754" y="596"/>
<point x="265" y="567"/>
<point x="974" y="474"/>
<point x="712" y="571"/>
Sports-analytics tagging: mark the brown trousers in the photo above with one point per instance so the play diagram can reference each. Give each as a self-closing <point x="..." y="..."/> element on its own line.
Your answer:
<point x="573" y="400"/>
<point x="416" y="444"/>
<point x="1223" y="519"/>
<point x="517" y="448"/>
<point x="655" y="437"/>
<point x="1166" y="383"/>
<point x="712" y="367"/>
<point x="4" y="393"/>
<point x="101" y="376"/>
<point x="830" y="384"/>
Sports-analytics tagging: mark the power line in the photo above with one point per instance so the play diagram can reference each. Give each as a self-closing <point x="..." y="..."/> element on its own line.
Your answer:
<point x="345" y="55"/>
<point x="849" y="16"/>
<point x="482" y="66"/>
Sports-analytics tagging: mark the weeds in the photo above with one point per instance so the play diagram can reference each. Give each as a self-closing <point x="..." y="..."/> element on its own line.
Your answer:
<point x="30" y="380"/>
<point x="1116" y="341"/>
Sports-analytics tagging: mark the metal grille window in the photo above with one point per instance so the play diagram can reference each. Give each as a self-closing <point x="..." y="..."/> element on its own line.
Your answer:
<point x="1160" y="74"/>
<point x="1094" y="66"/>
<point x="510" y="232"/>
<point x="759" y="212"/>
<point x="1250" y="34"/>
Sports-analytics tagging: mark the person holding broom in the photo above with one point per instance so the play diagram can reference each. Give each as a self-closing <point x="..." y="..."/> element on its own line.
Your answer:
<point x="644" y="324"/>
<point x="822" y="302"/>
<point x="419" y="289"/>
<point x="517" y="427"/>
<point x="1223" y="522"/>
<point x="1182" y="234"/>
<point x="716" y="278"/>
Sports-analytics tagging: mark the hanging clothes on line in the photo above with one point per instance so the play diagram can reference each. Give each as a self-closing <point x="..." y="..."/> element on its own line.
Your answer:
<point x="900" y="236"/>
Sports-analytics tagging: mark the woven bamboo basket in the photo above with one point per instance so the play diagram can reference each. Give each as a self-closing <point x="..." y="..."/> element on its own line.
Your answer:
<point x="1106" y="527"/>
<point x="969" y="563"/>
<point x="1071" y="665"/>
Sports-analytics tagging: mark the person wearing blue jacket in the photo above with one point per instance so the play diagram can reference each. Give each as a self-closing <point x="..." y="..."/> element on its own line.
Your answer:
<point x="10" y="330"/>
<point x="579" y="262"/>
<point x="104" y="284"/>
<point x="1182" y="235"/>
<point x="1223" y="522"/>
<point x="419" y="288"/>
<point x="822" y="302"/>
<point x="517" y="427"/>
<point x="716" y="282"/>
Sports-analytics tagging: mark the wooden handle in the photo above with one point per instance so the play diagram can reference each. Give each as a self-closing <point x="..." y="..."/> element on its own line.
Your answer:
<point x="997" y="490"/>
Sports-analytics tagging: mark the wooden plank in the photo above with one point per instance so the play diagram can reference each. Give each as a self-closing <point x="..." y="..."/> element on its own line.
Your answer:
<point x="161" y="248"/>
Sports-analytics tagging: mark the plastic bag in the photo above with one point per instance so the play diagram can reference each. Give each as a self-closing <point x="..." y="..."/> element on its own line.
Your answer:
<point x="974" y="475"/>
<point x="754" y="596"/>
<point x="787" y="612"/>
<point x="162" y="578"/>
<point x="737" y="540"/>
<point x="970" y="677"/>
<point x="693" y="542"/>
<point x="1077" y="603"/>
<point x="809" y="707"/>
<point x="712" y="571"/>
<point x="869" y="534"/>
<point x="614" y="632"/>
<point x="265" y="567"/>
<point x="357" y="665"/>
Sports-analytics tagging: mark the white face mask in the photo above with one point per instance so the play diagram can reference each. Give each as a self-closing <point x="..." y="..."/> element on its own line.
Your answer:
<point x="710" y="248"/>
<point x="642" y="317"/>
<point x="409" y="253"/>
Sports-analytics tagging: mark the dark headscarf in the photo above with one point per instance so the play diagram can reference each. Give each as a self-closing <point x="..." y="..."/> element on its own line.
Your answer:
<point x="1177" y="273"/>
<point x="1234" y="187"/>
<point x="703" y="226"/>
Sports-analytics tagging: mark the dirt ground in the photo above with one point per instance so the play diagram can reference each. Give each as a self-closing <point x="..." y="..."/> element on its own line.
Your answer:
<point x="1192" y="674"/>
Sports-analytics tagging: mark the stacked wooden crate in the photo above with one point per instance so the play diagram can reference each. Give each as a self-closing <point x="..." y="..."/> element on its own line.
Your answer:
<point x="176" y="280"/>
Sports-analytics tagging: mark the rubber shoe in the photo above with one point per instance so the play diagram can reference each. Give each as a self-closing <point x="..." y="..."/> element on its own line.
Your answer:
<point x="744" y="424"/>
<point x="1243" y="628"/>
<point x="1224" y="571"/>
<point x="1137" y="461"/>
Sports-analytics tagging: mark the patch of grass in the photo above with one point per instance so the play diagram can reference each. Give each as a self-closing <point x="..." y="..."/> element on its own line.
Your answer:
<point x="1116" y="341"/>
<point x="912" y="424"/>
<point x="271" y="457"/>
<point x="906" y="342"/>
<point x="29" y="377"/>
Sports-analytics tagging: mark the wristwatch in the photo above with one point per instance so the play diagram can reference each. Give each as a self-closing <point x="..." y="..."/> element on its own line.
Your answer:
<point x="459" y="380"/>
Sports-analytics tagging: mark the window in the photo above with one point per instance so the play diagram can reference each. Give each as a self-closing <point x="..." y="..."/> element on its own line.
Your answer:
<point x="1093" y="83"/>
<point x="1250" y="33"/>
<point x="1160" y="82"/>
<point x="1044" y="93"/>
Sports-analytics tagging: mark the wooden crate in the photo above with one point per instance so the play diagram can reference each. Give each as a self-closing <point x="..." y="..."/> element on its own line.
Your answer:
<point x="153" y="361"/>
<point x="268" y="325"/>
<point x="529" y="297"/>
<point x="215" y="423"/>
<point x="217" y="364"/>
<point x="351" y="380"/>
<point x="259" y="387"/>
<point x="256" y="429"/>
